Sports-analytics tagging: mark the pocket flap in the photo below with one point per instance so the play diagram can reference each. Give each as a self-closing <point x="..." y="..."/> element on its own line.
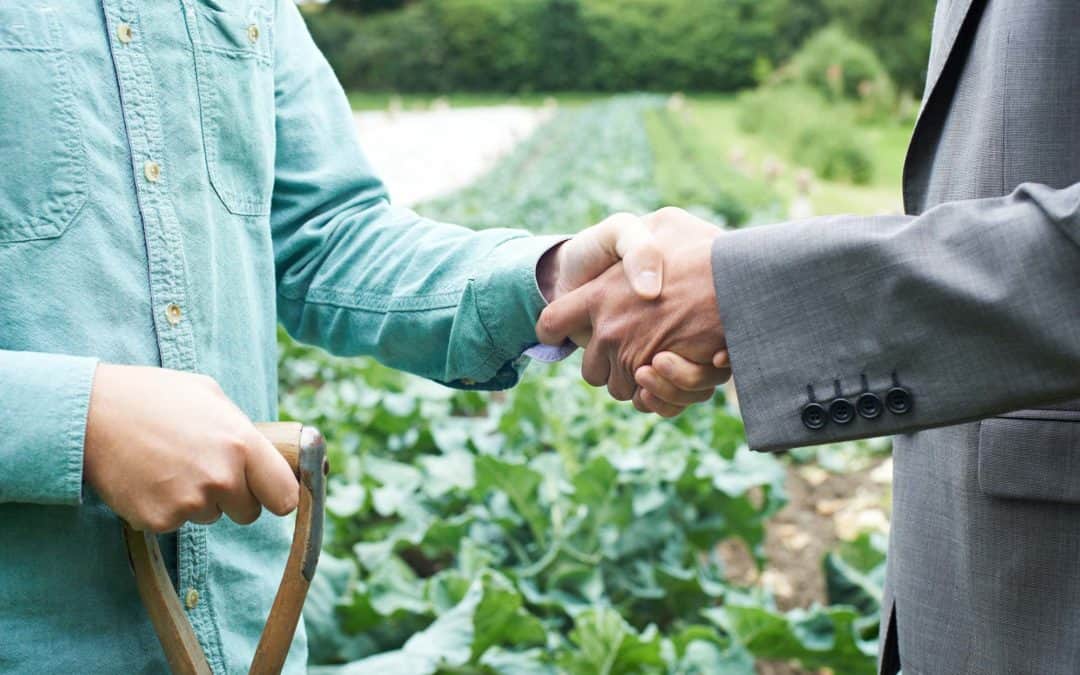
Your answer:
<point x="1032" y="454"/>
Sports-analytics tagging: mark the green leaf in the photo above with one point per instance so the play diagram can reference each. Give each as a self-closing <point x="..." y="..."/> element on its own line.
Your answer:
<point x="500" y="619"/>
<point x="446" y="642"/>
<point x="855" y="574"/>
<point x="443" y="473"/>
<point x="326" y="639"/>
<point x="397" y="483"/>
<point x="346" y="500"/>
<point x="505" y="662"/>
<point x="394" y="587"/>
<point x="519" y="483"/>
<point x="607" y="645"/>
<point x="817" y="638"/>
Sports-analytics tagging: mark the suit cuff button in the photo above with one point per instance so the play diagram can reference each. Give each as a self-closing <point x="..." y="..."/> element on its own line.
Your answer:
<point x="841" y="411"/>
<point x="869" y="406"/>
<point x="899" y="401"/>
<point x="814" y="416"/>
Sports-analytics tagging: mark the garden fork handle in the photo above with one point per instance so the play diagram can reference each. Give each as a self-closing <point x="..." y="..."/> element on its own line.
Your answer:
<point x="304" y="449"/>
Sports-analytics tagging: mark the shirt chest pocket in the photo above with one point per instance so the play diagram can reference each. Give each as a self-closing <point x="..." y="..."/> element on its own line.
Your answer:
<point x="43" y="180"/>
<point x="233" y="48"/>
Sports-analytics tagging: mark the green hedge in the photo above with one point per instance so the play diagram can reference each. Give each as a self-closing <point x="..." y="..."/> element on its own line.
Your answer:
<point x="547" y="45"/>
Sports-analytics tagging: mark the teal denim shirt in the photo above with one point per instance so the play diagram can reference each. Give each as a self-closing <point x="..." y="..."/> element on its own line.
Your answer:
<point x="178" y="176"/>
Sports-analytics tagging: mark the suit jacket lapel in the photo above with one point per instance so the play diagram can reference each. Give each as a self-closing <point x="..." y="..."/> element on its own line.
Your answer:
<point x="956" y="15"/>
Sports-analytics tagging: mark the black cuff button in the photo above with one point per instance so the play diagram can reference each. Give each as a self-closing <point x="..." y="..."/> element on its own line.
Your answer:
<point x="899" y="401"/>
<point x="814" y="416"/>
<point x="869" y="406"/>
<point x="841" y="411"/>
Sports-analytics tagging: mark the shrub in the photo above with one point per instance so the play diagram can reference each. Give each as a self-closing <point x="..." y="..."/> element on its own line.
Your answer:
<point x="820" y="135"/>
<point x="842" y="68"/>
<point x="834" y="152"/>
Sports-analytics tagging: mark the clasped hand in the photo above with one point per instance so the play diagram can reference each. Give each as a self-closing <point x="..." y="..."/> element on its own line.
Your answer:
<point x="650" y="324"/>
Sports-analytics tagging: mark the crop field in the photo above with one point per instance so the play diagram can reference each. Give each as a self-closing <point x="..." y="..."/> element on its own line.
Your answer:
<point x="549" y="529"/>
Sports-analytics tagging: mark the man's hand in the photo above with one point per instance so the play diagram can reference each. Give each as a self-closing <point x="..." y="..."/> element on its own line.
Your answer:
<point x="165" y="447"/>
<point x="593" y="250"/>
<point x="626" y="331"/>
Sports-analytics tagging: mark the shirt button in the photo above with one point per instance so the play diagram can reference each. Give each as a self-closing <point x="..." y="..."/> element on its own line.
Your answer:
<point x="191" y="598"/>
<point x="253" y="33"/>
<point x="152" y="170"/>
<point x="173" y="313"/>
<point x="124" y="33"/>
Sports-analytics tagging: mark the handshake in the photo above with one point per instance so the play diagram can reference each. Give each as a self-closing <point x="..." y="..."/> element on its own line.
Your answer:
<point x="638" y="295"/>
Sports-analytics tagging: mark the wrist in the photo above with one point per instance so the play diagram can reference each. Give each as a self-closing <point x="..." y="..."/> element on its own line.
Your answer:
<point x="547" y="272"/>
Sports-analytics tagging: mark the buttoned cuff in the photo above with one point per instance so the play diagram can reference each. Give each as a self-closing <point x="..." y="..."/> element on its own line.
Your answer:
<point x="45" y="399"/>
<point x="509" y="301"/>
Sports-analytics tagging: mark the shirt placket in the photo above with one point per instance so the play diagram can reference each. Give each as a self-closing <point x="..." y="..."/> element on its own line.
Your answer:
<point x="166" y="269"/>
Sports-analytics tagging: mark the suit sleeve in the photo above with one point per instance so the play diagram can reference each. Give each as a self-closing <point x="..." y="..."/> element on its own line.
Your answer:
<point x="358" y="275"/>
<point x="44" y="399"/>
<point x="968" y="310"/>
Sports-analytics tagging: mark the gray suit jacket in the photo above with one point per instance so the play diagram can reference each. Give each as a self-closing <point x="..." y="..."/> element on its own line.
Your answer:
<point x="958" y="327"/>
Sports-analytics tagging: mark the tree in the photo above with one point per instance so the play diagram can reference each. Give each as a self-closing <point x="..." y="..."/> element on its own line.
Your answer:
<point x="368" y="6"/>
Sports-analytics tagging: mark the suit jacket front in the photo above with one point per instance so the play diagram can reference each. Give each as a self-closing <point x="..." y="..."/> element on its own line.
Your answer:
<point x="956" y="326"/>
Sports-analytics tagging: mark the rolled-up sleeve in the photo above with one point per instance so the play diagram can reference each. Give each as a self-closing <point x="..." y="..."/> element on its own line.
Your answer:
<point x="45" y="399"/>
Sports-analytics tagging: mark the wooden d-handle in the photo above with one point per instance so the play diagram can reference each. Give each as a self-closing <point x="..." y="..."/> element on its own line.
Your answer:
<point x="303" y="447"/>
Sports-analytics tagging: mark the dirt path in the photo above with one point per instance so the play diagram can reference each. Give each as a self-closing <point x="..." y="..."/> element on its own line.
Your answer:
<point x="426" y="154"/>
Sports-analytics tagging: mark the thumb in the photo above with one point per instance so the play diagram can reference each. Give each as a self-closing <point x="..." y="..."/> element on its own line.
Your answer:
<point x="643" y="261"/>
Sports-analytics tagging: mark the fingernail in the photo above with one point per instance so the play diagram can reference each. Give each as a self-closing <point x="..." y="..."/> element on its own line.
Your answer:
<point x="648" y="282"/>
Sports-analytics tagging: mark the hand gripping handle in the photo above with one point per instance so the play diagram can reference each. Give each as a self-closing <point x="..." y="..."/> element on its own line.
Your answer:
<point x="303" y="447"/>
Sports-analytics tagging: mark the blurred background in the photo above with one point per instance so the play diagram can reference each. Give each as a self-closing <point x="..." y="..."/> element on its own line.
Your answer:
<point x="548" y="529"/>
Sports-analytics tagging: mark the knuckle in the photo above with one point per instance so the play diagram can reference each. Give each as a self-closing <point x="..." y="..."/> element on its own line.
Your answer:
<point x="605" y="334"/>
<point x="188" y="505"/>
<point x="160" y="522"/>
<point x="210" y="384"/>
<point x="235" y="445"/>
<point x="668" y="214"/>
<point x="221" y="480"/>
<point x="548" y="322"/>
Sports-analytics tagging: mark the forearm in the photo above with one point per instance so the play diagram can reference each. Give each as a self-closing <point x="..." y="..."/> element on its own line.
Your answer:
<point x="437" y="300"/>
<point x="970" y="307"/>
<point x="44" y="399"/>
<point x="358" y="276"/>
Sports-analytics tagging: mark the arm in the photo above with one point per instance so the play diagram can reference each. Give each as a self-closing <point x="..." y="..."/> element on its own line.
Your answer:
<point x="972" y="305"/>
<point x="357" y="275"/>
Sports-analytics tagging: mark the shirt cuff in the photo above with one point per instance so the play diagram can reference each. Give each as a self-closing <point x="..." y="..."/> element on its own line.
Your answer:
<point x="45" y="399"/>
<point x="508" y="297"/>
